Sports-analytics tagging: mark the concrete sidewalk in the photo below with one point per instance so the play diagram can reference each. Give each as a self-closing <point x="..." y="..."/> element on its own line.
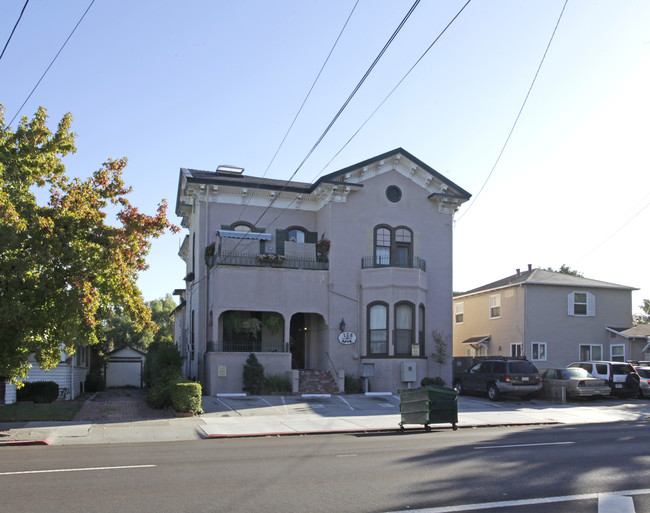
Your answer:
<point x="247" y="416"/>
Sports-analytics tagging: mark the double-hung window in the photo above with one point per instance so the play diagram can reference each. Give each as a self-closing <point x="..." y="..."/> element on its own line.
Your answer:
<point x="404" y="335"/>
<point x="495" y="306"/>
<point x="538" y="351"/>
<point x="382" y="246"/>
<point x="581" y="304"/>
<point x="459" y="313"/>
<point x="378" y="329"/>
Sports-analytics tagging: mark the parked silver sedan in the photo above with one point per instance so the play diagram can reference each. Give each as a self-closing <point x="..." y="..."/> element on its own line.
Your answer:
<point x="578" y="383"/>
<point x="644" y="383"/>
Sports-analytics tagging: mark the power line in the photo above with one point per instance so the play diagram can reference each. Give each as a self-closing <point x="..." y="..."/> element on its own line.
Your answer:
<point x="382" y="102"/>
<point x="311" y="88"/>
<point x="345" y="104"/>
<point x="14" y="29"/>
<point x="51" y="63"/>
<point x="503" y="149"/>
<point x="393" y="90"/>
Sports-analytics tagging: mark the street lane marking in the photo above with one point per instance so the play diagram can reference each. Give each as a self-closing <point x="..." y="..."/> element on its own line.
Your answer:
<point x="608" y="503"/>
<point x="530" y="502"/>
<point x="85" y="469"/>
<point x="523" y="445"/>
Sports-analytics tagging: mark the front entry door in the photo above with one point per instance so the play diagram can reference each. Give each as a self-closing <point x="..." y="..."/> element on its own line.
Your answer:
<point x="297" y="341"/>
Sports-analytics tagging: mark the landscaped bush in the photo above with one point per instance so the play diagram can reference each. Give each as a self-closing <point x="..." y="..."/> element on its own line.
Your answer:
<point x="95" y="382"/>
<point x="159" y="395"/>
<point x="277" y="384"/>
<point x="162" y="370"/>
<point x="437" y="382"/>
<point x="38" y="392"/>
<point x="352" y="385"/>
<point x="186" y="397"/>
<point x="253" y="377"/>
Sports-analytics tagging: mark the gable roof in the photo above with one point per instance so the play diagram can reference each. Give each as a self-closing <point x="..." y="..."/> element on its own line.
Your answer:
<point x="448" y="190"/>
<point x="544" y="277"/>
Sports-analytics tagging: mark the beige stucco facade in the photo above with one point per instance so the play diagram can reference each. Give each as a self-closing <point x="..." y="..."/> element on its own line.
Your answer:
<point x="312" y="293"/>
<point x="539" y="316"/>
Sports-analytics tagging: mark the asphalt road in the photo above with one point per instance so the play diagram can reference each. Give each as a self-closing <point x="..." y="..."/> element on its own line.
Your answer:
<point x="444" y="470"/>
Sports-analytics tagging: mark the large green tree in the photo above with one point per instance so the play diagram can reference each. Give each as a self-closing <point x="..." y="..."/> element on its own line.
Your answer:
<point x="63" y="269"/>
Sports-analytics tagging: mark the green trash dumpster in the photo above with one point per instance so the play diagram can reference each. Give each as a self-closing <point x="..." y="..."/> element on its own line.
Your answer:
<point x="428" y="405"/>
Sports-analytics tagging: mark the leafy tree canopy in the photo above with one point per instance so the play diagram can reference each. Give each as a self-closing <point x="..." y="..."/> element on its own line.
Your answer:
<point x="63" y="269"/>
<point x="644" y="319"/>
<point x="565" y="269"/>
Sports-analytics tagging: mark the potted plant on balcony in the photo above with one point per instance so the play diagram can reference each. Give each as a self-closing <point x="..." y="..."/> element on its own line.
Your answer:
<point x="323" y="245"/>
<point x="270" y="258"/>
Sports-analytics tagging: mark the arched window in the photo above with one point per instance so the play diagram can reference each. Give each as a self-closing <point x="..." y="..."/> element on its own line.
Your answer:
<point x="403" y="246"/>
<point x="242" y="226"/>
<point x="393" y="246"/>
<point x="377" y="329"/>
<point x="382" y="245"/>
<point x="296" y="234"/>
<point x="404" y="333"/>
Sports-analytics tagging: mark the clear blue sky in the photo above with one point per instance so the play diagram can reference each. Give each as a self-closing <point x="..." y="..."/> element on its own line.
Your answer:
<point x="202" y="83"/>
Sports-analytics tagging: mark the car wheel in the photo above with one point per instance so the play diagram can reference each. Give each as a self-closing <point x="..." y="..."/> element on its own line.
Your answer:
<point x="458" y="387"/>
<point x="493" y="392"/>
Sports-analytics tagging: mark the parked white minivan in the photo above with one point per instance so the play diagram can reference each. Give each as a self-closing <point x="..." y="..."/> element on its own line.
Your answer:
<point x="616" y="375"/>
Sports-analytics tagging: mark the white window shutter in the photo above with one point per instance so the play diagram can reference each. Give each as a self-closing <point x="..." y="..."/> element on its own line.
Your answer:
<point x="570" y="303"/>
<point x="591" y="305"/>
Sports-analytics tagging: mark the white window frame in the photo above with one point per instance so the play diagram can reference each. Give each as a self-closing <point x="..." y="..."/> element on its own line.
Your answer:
<point x="611" y="353"/>
<point x="590" y="305"/>
<point x="459" y="310"/>
<point x="495" y="305"/>
<point x="517" y="349"/>
<point x="591" y="351"/>
<point x="541" y="351"/>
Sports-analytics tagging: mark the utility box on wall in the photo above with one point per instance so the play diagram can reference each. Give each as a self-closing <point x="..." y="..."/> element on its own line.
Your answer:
<point x="409" y="373"/>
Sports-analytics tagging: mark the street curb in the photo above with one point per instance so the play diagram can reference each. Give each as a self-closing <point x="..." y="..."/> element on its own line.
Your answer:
<point x="24" y="442"/>
<point x="396" y="430"/>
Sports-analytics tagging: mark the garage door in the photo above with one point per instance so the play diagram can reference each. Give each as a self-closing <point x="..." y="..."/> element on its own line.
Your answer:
<point x="124" y="373"/>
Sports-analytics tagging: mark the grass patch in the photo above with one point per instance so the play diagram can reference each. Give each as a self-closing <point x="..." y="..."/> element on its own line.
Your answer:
<point x="39" y="412"/>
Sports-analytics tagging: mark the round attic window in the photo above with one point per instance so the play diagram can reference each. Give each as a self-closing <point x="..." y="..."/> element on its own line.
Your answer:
<point x="393" y="193"/>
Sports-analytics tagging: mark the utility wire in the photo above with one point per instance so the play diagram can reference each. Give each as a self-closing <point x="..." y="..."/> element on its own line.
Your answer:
<point x="51" y="63"/>
<point x="503" y="149"/>
<point x="311" y="88"/>
<point x="392" y="90"/>
<point x="345" y="104"/>
<point x="305" y="100"/>
<point x="381" y="104"/>
<point x="14" y="29"/>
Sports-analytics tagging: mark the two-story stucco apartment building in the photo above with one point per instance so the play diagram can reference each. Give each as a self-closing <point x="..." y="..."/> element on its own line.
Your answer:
<point x="551" y="318"/>
<point x="350" y="275"/>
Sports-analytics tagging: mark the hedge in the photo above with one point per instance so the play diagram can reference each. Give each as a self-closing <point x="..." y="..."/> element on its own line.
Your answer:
<point x="186" y="397"/>
<point x="38" y="391"/>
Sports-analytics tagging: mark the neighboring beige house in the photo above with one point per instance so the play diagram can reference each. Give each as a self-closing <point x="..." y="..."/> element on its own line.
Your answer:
<point x="350" y="275"/>
<point x="551" y="318"/>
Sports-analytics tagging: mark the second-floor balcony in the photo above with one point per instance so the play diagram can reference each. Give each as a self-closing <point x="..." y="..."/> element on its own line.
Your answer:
<point x="379" y="262"/>
<point x="271" y="260"/>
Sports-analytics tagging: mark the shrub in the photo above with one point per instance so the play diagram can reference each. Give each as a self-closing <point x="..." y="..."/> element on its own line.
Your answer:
<point x="159" y="395"/>
<point x="95" y="382"/>
<point x="186" y="397"/>
<point x="352" y="385"/>
<point x="438" y="382"/>
<point x="38" y="391"/>
<point x="162" y="370"/>
<point x="277" y="383"/>
<point x="253" y="377"/>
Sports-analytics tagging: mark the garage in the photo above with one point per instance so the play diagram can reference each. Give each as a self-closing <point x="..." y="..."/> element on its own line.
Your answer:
<point x="124" y="367"/>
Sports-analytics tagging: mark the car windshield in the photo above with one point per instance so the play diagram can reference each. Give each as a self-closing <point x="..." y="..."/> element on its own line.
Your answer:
<point x="522" y="368"/>
<point x="573" y="372"/>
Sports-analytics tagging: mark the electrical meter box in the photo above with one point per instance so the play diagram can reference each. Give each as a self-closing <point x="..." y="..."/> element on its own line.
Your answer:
<point x="409" y="373"/>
